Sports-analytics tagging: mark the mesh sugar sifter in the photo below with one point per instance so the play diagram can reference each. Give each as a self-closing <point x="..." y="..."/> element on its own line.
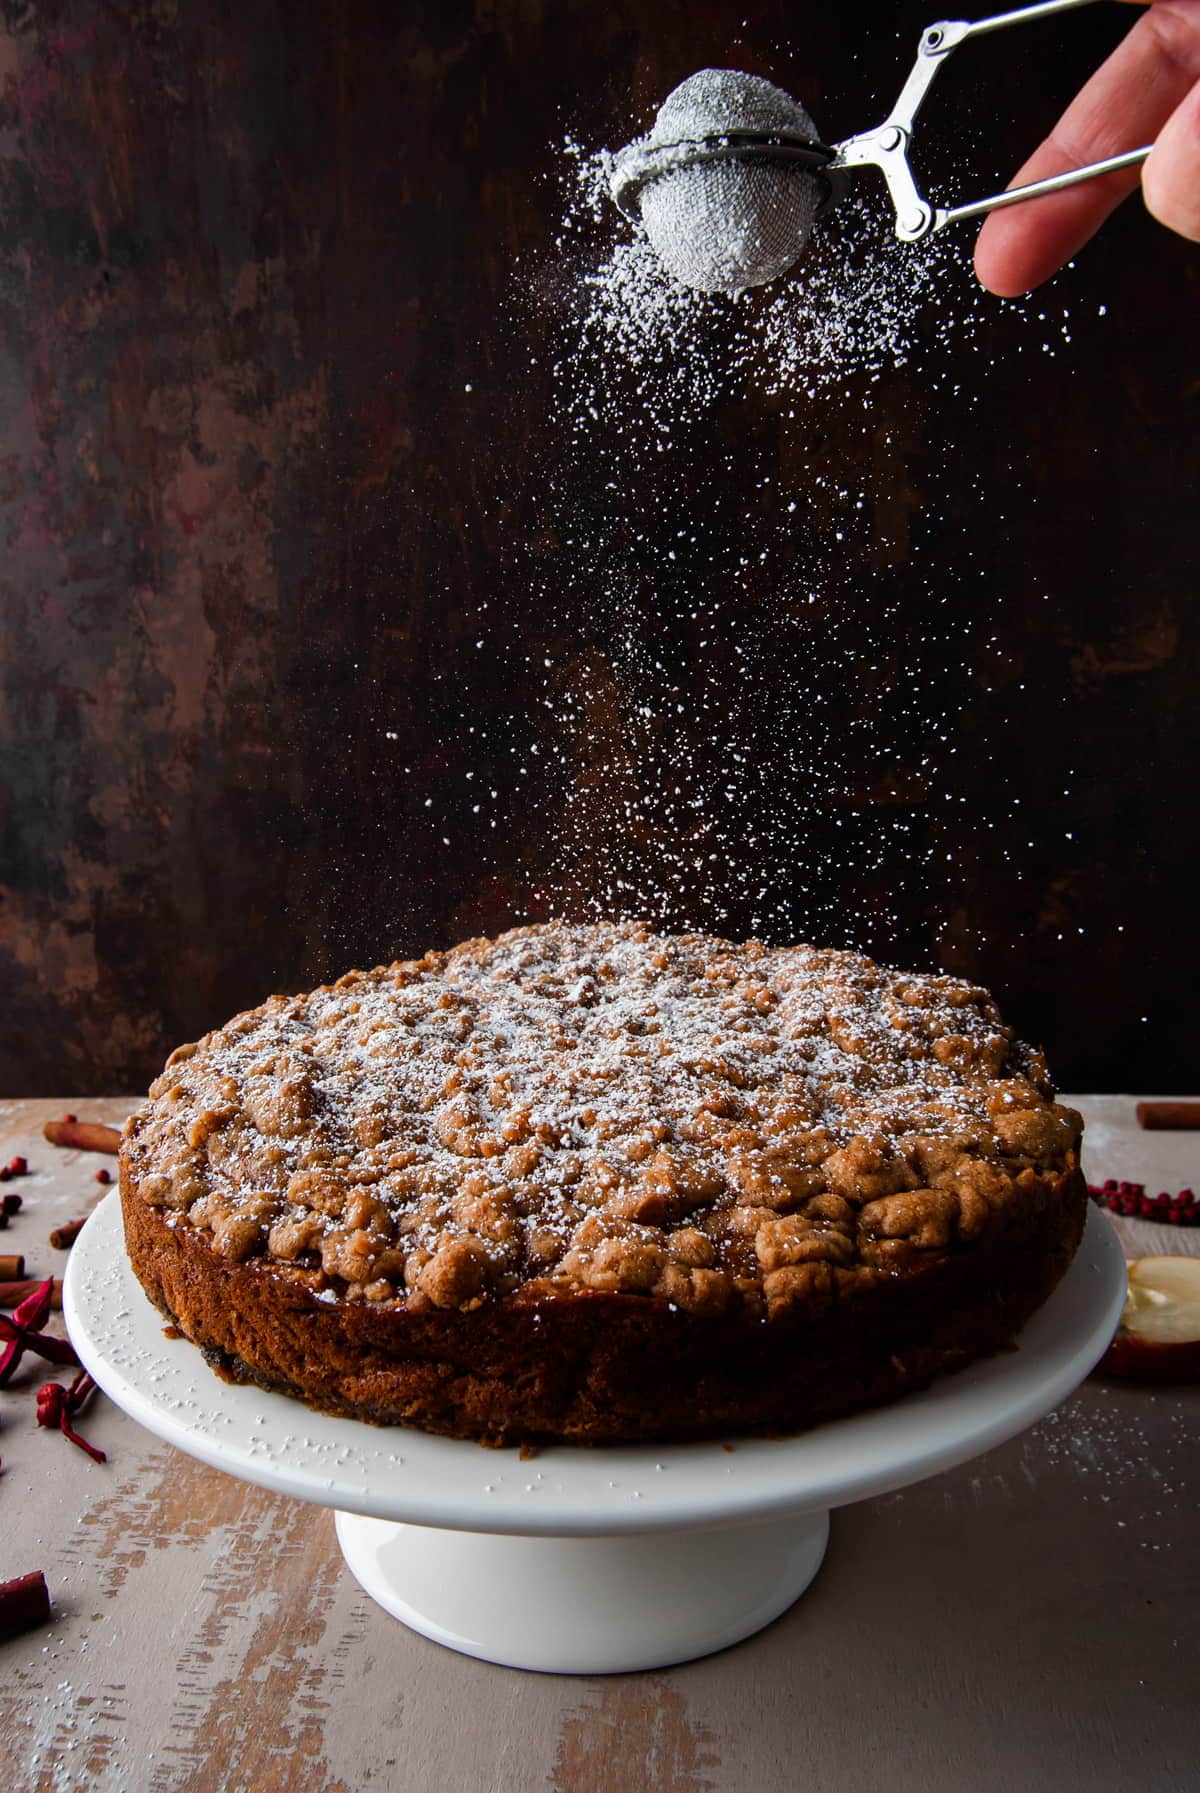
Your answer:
<point x="733" y="175"/>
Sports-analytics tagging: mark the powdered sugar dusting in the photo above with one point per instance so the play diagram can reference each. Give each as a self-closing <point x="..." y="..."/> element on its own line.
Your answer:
<point x="599" y="1105"/>
<point x="857" y="304"/>
<point x="749" y="710"/>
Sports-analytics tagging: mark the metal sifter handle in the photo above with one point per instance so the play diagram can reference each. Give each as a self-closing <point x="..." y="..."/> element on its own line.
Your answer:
<point x="886" y="147"/>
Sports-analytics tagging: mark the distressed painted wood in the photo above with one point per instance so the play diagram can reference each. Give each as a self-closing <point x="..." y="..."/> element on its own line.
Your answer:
<point x="1028" y="1620"/>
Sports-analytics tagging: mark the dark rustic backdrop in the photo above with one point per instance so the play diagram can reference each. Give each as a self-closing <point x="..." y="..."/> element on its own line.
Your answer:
<point x="252" y="256"/>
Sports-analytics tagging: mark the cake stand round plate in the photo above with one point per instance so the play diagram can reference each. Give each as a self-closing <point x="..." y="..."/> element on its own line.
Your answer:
<point x="578" y="1560"/>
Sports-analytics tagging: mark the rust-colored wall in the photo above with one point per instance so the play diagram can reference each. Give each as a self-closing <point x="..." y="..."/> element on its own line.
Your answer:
<point x="251" y="257"/>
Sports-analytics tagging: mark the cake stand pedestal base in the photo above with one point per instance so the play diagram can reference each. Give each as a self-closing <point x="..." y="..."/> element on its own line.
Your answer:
<point x="585" y="1606"/>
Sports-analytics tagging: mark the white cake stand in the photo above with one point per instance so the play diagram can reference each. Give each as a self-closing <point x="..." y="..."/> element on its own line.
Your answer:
<point x="578" y="1561"/>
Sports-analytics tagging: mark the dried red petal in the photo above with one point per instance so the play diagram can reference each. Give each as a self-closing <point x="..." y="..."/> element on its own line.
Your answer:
<point x="34" y="1311"/>
<point x="23" y="1331"/>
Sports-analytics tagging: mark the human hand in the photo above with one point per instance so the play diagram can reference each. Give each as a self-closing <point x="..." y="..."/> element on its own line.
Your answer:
<point x="1147" y="91"/>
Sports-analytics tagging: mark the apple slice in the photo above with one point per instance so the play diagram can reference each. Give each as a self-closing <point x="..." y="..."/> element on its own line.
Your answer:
<point x="1158" y="1339"/>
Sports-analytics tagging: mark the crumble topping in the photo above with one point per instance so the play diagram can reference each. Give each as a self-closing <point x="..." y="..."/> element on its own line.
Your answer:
<point x="602" y="1107"/>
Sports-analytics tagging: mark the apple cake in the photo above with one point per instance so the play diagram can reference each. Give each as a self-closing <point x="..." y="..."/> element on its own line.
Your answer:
<point x="600" y="1184"/>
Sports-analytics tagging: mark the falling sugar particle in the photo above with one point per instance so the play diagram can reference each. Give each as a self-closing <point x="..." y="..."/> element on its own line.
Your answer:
<point x="684" y="759"/>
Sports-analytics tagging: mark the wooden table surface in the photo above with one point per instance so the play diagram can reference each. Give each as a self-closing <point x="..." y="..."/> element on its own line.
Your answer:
<point x="1026" y="1621"/>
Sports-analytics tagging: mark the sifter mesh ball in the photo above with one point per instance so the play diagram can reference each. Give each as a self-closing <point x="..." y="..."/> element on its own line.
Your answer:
<point x="729" y="225"/>
<point x="727" y="220"/>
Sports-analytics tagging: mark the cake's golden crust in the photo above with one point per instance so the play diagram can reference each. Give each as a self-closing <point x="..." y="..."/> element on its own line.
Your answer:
<point x="601" y="1368"/>
<point x="596" y="1183"/>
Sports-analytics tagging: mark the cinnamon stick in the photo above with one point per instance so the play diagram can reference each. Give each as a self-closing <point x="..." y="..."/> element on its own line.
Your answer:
<point x="25" y="1601"/>
<point x="12" y="1266"/>
<point x="83" y="1136"/>
<point x="63" y="1237"/>
<point x="12" y="1294"/>
<point x="1160" y="1117"/>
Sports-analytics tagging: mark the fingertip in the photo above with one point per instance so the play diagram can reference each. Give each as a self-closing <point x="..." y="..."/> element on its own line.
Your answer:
<point x="1171" y="173"/>
<point x="997" y="269"/>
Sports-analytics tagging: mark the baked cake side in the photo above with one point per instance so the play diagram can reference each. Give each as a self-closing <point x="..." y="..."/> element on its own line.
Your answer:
<point x="597" y="1183"/>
